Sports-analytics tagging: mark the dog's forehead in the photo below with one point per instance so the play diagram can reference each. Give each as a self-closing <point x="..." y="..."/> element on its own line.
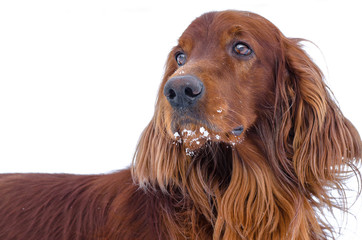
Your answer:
<point x="215" y="24"/>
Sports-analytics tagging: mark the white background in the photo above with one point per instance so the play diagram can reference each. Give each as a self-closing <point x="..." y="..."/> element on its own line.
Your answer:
<point x="78" y="79"/>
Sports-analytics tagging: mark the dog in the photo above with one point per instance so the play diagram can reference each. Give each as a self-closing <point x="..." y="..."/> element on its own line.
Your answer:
<point x="246" y="142"/>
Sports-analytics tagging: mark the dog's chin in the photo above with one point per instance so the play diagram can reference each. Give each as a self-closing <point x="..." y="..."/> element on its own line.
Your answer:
<point x="194" y="137"/>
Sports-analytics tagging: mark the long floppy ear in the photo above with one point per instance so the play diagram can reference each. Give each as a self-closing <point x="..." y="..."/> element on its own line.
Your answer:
<point x="155" y="162"/>
<point x="313" y="133"/>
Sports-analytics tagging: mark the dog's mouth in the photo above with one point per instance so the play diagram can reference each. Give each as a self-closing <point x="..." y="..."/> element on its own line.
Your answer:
<point x="194" y="136"/>
<point x="238" y="131"/>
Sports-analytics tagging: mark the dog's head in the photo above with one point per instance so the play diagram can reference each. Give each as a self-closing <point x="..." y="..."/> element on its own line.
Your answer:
<point x="219" y="78"/>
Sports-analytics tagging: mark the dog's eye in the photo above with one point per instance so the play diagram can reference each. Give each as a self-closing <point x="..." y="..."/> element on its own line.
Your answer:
<point x="242" y="49"/>
<point x="180" y="59"/>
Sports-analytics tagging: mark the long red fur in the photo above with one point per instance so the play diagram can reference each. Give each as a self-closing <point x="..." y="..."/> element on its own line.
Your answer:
<point x="271" y="182"/>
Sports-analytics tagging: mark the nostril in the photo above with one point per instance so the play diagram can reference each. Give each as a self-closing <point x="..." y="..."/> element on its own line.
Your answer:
<point x="190" y="93"/>
<point x="171" y="94"/>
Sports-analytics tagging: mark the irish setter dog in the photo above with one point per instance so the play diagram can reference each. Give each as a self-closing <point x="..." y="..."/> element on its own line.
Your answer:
<point x="246" y="143"/>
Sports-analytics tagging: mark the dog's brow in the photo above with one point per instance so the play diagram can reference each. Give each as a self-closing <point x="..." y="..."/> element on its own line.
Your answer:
<point x="185" y="43"/>
<point x="237" y="31"/>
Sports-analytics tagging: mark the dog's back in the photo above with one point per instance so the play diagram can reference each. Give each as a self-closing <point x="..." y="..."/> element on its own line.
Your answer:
<point x="64" y="206"/>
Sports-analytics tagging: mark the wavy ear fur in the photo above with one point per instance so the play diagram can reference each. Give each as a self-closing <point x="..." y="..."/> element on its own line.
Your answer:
<point x="156" y="159"/>
<point x="322" y="145"/>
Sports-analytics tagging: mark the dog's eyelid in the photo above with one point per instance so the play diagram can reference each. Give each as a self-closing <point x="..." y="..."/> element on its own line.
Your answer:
<point x="177" y="49"/>
<point x="244" y="42"/>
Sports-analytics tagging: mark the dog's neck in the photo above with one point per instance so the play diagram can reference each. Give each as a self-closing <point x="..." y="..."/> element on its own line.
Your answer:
<point x="223" y="191"/>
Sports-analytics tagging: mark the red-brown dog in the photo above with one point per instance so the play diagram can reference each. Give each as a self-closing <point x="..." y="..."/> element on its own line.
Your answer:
<point x="245" y="143"/>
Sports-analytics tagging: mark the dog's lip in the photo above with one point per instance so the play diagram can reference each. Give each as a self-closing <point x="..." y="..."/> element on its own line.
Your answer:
<point x="200" y="127"/>
<point x="238" y="130"/>
<point x="194" y="137"/>
<point x="196" y="133"/>
<point x="189" y="123"/>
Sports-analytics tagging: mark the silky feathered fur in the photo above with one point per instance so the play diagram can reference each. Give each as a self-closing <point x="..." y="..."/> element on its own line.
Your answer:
<point x="269" y="183"/>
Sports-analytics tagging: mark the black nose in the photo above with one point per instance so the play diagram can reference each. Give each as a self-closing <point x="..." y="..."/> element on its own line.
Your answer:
<point x="183" y="91"/>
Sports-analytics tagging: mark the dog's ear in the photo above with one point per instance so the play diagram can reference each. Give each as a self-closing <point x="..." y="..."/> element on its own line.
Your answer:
<point x="155" y="160"/>
<point x="319" y="141"/>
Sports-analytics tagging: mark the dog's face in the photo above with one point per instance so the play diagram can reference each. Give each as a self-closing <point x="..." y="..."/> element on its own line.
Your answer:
<point x="217" y="75"/>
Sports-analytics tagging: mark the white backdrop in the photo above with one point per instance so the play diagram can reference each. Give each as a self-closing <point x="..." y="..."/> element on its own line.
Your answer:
<point x="78" y="78"/>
